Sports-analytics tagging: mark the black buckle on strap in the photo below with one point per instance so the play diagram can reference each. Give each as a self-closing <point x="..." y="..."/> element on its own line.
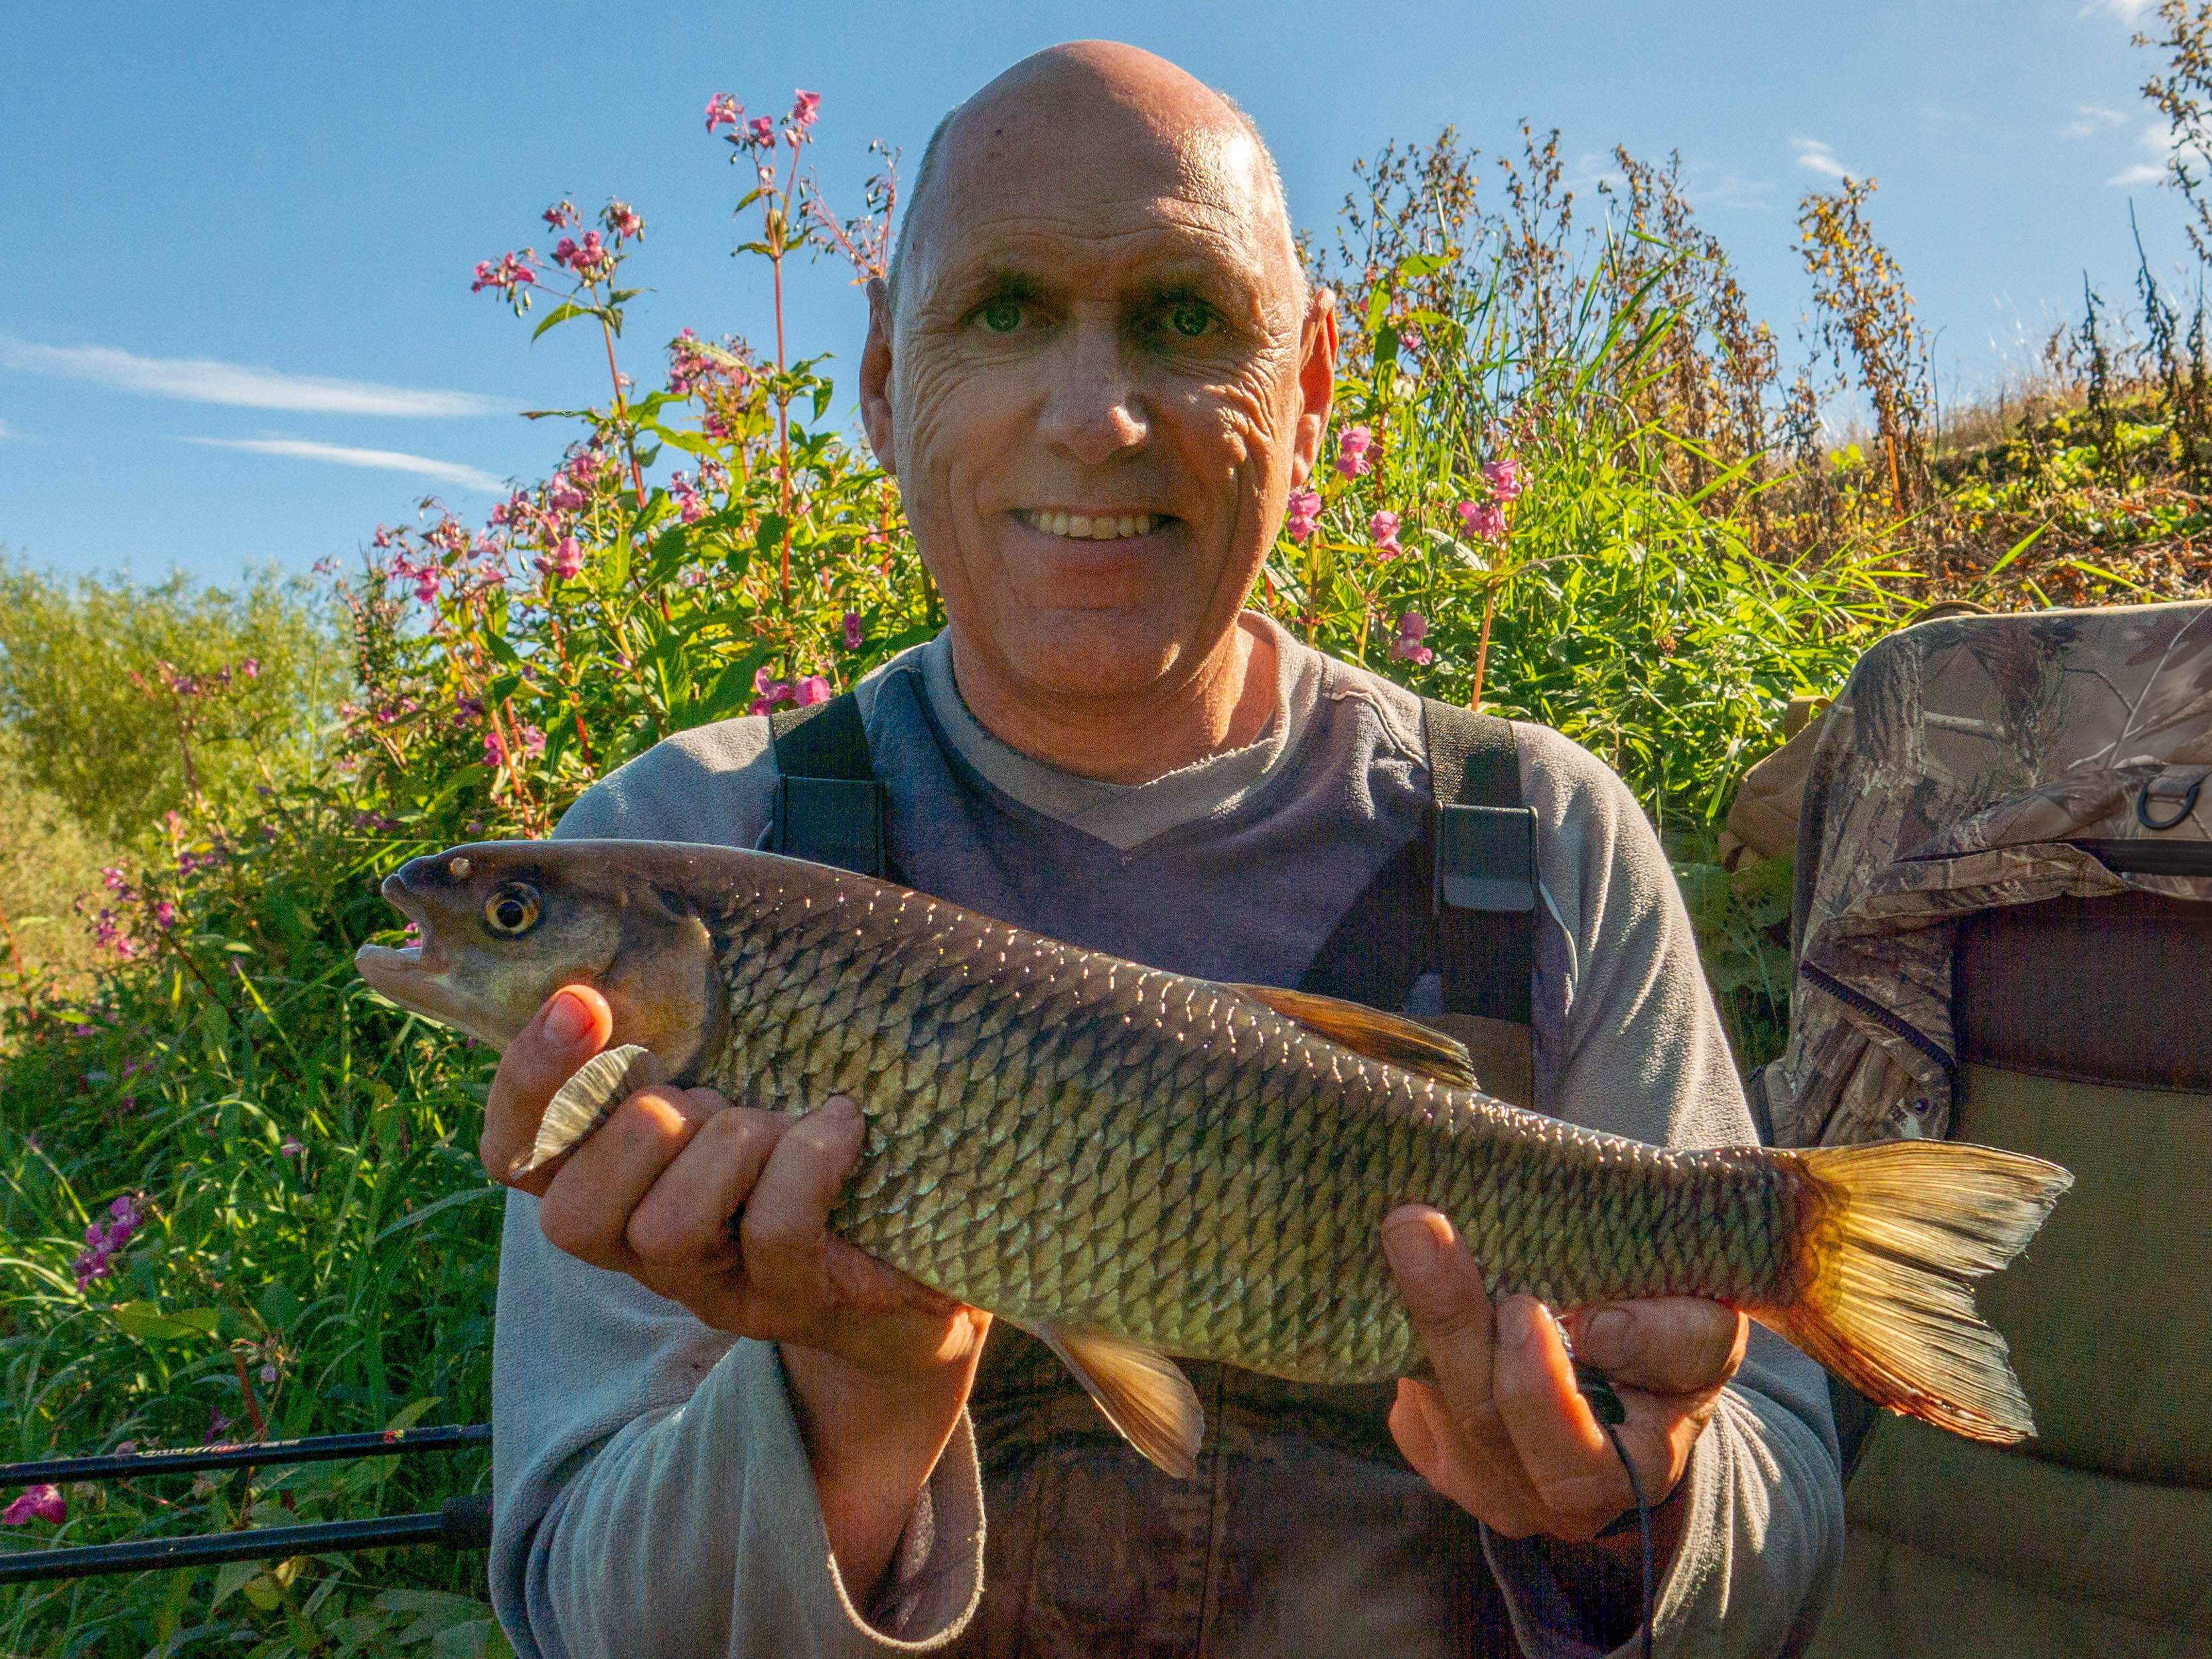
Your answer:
<point x="1486" y="859"/>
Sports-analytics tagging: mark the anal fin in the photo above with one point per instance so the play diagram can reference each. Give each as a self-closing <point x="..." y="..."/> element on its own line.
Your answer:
<point x="1391" y="1038"/>
<point x="1143" y="1393"/>
<point x="587" y="1099"/>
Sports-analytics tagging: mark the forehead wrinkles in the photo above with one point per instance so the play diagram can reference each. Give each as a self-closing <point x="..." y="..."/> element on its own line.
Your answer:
<point x="1094" y="181"/>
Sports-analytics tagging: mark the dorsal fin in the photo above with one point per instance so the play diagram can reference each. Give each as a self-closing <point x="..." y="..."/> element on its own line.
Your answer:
<point x="587" y="1099"/>
<point x="1388" y="1037"/>
<point x="1144" y="1394"/>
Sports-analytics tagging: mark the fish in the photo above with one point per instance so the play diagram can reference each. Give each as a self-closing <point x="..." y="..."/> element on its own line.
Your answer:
<point x="1138" y="1166"/>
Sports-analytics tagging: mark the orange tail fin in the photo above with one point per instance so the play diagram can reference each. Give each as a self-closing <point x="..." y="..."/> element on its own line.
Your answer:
<point x="1907" y="1226"/>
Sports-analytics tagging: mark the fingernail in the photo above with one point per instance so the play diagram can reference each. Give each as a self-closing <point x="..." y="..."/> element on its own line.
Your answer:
<point x="840" y="1113"/>
<point x="1605" y="1339"/>
<point x="567" y="1020"/>
<point x="1413" y="1248"/>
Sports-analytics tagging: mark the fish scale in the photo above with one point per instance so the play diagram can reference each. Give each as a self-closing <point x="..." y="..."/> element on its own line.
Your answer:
<point x="1137" y="1100"/>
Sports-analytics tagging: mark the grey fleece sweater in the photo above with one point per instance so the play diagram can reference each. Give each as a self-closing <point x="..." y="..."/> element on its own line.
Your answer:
<point x="652" y="1494"/>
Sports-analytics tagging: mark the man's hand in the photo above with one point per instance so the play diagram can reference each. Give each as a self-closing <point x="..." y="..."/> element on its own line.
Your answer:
<point x="1504" y="1433"/>
<point x="879" y="1366"/>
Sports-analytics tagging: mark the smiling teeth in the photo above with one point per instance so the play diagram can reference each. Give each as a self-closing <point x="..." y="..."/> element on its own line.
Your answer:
<point x="1082" y="526"/>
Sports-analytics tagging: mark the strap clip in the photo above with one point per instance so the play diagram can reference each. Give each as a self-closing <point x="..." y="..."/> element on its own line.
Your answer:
<point x="1486" y="859"/>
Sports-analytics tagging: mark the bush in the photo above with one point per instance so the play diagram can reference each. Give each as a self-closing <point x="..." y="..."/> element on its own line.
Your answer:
<point x="127" y="703"/>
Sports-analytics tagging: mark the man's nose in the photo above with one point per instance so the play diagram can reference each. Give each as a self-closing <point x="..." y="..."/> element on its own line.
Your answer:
<point x="1093" y="410"/>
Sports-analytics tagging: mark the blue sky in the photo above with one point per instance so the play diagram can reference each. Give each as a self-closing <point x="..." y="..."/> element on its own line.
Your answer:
<point x="236" y="328"/>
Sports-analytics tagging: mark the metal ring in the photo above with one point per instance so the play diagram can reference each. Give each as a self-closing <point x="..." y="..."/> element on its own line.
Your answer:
<point x="2188" y="806"/>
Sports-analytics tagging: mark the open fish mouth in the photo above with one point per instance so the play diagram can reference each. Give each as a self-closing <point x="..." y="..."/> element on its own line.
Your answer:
<point x="425" y="959"/>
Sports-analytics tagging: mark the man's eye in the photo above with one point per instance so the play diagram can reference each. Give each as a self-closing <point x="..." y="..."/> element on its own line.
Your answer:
<point x="1190" y="318"/>
<point x="1001" y="316"/>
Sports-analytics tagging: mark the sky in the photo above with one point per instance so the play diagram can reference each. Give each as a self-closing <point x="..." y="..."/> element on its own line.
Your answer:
<point x="236" y="328"/>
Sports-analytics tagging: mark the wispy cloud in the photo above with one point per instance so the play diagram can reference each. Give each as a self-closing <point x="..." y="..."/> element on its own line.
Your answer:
<point x="203" y="380"/>
<point x="2157" y="138"/>
<point x="7" y="431"/>
<point x="1814" y="155"/>
<point x="2090" y="120"/>
<point x="2128" y="11"/>
<point x="1706" y="189"/>
<point x="385" y="461"/>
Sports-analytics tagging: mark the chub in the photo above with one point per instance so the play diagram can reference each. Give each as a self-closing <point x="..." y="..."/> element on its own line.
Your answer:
<point x="1135" y="1165"/>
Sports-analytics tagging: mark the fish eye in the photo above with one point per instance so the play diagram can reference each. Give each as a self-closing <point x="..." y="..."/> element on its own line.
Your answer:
<point x="512" y="910"/>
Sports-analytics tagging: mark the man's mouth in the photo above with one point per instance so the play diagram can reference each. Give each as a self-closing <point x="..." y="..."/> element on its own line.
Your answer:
<point x="1104" y="524"/>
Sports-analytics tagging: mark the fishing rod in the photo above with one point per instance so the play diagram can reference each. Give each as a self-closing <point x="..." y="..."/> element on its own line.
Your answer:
<point x="460" y="1523"/>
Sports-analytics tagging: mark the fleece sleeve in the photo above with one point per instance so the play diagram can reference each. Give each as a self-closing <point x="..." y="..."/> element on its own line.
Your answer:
<point x="1629" y="1042"/>
<point x="650" y="1491"/>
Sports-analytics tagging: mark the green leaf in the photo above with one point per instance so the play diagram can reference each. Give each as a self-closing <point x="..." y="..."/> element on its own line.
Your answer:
<point x="730" y="690"/>
<point x="565" y="312"/>
<point x="770" y="533"/>
<point x="234" y="1577"/>
<point x="415" y="1218"/>
<point x="146" y="1322"/>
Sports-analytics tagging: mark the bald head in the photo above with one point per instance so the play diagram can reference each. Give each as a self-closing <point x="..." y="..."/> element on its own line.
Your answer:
<point x="1094" y="102"/>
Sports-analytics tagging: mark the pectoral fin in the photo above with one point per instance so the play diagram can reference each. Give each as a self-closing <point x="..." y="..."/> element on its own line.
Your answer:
<point x="1388" y="1037"/>
<point x="584" y="1102"/>
<point x="1144" y="1394"/>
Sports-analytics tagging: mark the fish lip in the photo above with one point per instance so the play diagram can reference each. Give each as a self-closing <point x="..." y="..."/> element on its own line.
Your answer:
<point x="427" y="956"/>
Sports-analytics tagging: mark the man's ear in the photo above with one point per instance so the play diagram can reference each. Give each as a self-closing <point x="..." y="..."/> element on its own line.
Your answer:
<point x="876" y="377"/>
<point x="1316" y="384"/>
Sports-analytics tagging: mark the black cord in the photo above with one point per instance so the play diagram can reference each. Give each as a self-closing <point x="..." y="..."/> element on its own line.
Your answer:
<point x="1643" y="1527"/>
<point x="1605" y="1406"/>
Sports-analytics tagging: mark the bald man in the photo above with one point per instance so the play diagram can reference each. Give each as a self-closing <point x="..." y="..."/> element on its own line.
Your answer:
<point x="1097" y="372"/>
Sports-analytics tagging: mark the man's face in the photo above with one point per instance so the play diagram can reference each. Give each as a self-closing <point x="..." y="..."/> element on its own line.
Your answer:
<point x="1103" y="379"/>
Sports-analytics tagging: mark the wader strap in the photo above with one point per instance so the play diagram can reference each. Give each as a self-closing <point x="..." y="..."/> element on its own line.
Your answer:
<point x="1484" y="859"/>
<point x="828" y="803"/>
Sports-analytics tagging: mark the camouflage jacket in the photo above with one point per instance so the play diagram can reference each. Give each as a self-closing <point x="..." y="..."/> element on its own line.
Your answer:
<point x="1970" y="763"/>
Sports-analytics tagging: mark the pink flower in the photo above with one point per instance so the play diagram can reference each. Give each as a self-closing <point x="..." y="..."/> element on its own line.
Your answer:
<point x="811" y="690"/>
<point x="290" y="1147"/>
<point x="495" y="750"/>
<point x="772" y="691"/>
<point x="1504" y="476"/>
<point x="533" y="741"/>
<point x="1300" y="512"/>
<point x="802" y="112"/>
<point x="43" y="1502"/>
<point x="1352" y="446"/>
<point x="1413" y="627"/>
<point x="761" y="131"/>
<point x="568" y="558"/>
<point x="1382" y="530"/>
<point x="250" y="667"/>
<point x="561" y="213"/>
<point x="621" y="220"/>
<point x="723" y="110"/>
<point x="1484" y="521"/>
<point x="854" y="635"/>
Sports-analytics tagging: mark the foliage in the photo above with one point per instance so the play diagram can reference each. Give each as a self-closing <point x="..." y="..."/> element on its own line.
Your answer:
<point x="239" y="1198"/>
<point x="129" y="702"/>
